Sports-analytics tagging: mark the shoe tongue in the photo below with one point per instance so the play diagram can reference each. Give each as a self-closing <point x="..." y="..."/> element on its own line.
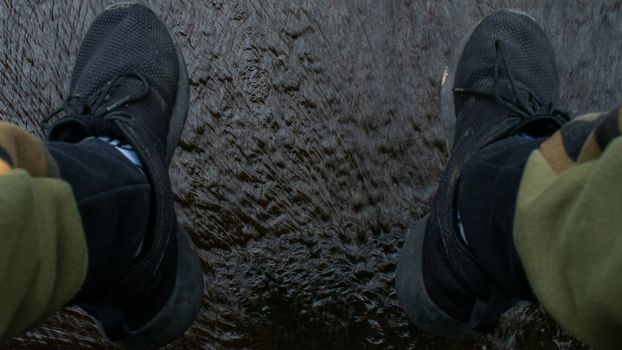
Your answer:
<point x="521" y="97"/>
<point x="516" y="94"/>
<point x="127" y="86"/>
<point x="482" y="110"/>
<point x="117" y="93"/>
<point x="75" y="105"/>
<point x="537" y="117"/>
<point x="507" y="93"/>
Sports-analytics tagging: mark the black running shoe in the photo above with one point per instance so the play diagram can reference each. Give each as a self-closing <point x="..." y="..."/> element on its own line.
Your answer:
<point x="502" y="82"/>
<point x="130" y="82"/>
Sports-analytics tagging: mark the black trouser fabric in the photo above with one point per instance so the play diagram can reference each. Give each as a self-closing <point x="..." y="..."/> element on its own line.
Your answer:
<point x="487" y="193"/>
<point x="113" y="197"/>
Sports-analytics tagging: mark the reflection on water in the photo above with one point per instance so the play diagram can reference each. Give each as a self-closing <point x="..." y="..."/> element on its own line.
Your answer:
<point x="313" y="139"/>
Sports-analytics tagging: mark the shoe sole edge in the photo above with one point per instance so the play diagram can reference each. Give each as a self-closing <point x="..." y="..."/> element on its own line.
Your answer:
<point x="182" y="307"/>
<point x="413" y="296"/>
<point x="180" y="110"/>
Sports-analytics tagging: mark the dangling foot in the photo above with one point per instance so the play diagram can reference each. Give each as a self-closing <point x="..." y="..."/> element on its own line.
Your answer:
<point x="504" y="82"/>
<point x="130" y="83"/>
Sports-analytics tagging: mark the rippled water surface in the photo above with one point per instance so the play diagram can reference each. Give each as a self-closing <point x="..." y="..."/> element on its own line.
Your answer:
<point x="313" y="139"/>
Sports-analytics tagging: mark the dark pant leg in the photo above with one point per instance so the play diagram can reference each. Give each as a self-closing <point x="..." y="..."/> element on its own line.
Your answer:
<point x="113" y="197"/>
<point x="487" y="194"/>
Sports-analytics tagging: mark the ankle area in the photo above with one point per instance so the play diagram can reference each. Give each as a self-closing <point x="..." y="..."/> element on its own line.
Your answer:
<point x="486" y="200"/>
<point x="114" y="200"/>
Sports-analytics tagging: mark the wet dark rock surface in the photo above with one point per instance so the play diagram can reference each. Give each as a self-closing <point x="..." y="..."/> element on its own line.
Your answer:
<point x="313" y="138"/>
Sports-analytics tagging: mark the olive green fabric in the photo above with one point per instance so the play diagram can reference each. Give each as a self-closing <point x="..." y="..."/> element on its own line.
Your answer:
<point x="43" y="255"/>
<point x="26" y="151"/>
<point x="568" y="228"/>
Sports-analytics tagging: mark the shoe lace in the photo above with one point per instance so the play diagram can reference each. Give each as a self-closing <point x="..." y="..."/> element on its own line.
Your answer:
<point x="527" y="106"/>
<point x="100" y="109"/>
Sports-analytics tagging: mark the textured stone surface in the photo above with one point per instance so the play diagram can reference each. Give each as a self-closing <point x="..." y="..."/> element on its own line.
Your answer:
<point x="313" y="138"/>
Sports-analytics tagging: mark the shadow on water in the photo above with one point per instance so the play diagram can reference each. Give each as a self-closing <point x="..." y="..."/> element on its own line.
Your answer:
<point x="313" y="139"/>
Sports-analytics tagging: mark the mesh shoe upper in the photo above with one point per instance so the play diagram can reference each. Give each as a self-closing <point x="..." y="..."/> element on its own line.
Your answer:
<point x="506" y="75"/>
<point x="127" y="39"/>
<point x="528" y="50"/>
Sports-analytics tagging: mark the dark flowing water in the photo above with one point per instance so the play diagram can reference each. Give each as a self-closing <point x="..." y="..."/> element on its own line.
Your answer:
<point x="313" y="139"/>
